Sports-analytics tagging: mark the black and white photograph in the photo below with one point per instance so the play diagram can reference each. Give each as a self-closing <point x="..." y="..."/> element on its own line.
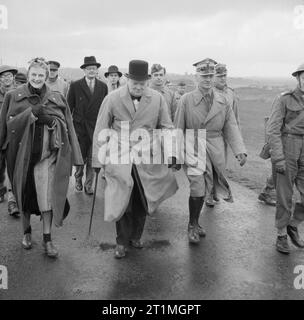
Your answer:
<point x="151" y="153"/>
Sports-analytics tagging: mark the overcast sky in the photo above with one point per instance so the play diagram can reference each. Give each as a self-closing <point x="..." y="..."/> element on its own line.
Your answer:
<point x="254" y="38"/>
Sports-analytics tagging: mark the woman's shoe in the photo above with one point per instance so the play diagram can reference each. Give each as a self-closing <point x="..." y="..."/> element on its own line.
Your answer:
<point x="27" y="241"/>
<point x="50" y="250"/>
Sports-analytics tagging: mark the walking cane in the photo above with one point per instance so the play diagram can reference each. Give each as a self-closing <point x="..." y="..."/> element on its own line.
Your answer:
<point x="93" y="205"/>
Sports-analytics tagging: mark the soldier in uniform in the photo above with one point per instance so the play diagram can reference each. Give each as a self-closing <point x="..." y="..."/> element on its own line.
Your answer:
<point x="205" y="108"/>
<point x="220" y="85"/>
<point x="54" y="82"/>
<point x="285" y="130"/>
<point x="158" y="82"/>
<point x="181" y="89"/>
<point x="7" y="83"/>
<point x="113" y="76"/>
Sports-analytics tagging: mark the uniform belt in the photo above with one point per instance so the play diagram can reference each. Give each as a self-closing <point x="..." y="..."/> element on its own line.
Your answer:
<point x="214" y="134"/>
<point x="300" y="135"/>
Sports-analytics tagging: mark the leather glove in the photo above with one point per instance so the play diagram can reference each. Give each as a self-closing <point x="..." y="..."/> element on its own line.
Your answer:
<point x="280" y="167"/>
<point x="242" y="158"/>
<point x="172" y="164"/>
<point x="36" y="109"/>
<point x="44" y="118"/>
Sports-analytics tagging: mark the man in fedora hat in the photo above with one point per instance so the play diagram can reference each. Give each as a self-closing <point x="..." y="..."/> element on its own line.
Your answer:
<point x="54" y="82"/>
<point x="7" y="83"/>
<point x="20" y="78"/>
<point x="181" y="89"/>
<point x="204" y="108"/>
<point x="85" y="97"/>
<point x="133" y="189"/>
<point x="158" y="83"/>
<point x="113" y="76"/>
<point x="285" y="131"/>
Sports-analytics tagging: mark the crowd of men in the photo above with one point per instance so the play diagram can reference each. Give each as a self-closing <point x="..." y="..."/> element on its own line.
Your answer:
<point x="144" y="101"/>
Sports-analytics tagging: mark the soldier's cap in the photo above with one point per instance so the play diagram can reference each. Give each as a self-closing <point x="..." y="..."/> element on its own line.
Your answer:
<point x="54" y="64"/>
<point x="21" y="77"/>
<point x="220" y="69"/>
<point x="206" y="66"/>
<point x="156" y="67"/>
<point x="6" y="68"/>
<point x="299" y="70"/>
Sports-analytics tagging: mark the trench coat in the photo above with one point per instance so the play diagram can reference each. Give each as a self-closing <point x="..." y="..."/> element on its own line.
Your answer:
<point x="17" y="126"/>
<point x="158" y="180"/>
<point x="220" y="125"/>
<point x="85" y="107"/>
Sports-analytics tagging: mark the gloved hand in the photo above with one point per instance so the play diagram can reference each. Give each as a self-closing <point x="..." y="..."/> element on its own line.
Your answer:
<point x="280" y="167"/>
<point x="36" y="109"/>
<point x="44" y="118"/>
<point x="242" y="158"/>
<point x="172" y="164"/>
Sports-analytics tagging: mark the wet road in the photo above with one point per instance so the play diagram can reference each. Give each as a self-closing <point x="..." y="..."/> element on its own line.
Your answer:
<point x="237" y="259"/>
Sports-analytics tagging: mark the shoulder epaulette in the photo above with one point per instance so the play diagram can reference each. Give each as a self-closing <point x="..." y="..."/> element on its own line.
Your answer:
<point x="286" y="93"/>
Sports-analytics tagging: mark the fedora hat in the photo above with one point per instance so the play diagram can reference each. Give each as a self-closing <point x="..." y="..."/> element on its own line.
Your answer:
<point x="21" y="77"/>
<point x="113" y="69"/>
<point x="90" y="61"/>
<point x="138" y="70"/>
<point x="5" y="68"/>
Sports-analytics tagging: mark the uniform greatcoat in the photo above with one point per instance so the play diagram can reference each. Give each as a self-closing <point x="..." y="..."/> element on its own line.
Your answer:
<point x="220" y="124"/>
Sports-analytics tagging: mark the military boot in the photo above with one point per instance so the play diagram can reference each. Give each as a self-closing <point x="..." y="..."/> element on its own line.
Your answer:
<point x="282" y="244"/>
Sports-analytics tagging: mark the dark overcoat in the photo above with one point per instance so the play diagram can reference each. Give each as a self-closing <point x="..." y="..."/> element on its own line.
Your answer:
<point x="17" y="125"/>
<point x="85" y="107"/>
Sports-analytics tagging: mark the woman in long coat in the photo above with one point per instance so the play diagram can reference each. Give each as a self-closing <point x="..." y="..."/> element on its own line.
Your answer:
<point x="39" y="142"/>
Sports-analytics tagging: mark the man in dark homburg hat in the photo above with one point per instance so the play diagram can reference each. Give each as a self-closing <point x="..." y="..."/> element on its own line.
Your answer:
<point x="133" y="188"/>
<point x="113" y="76"/>
<point x="7" y="83"/>
<point x="285" y="132"/>
<point x="85" y="97"/>
<point x="54" y="82"/>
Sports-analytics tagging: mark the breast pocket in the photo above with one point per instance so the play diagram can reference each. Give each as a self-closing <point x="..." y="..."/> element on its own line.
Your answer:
<point x="293" y="111"/>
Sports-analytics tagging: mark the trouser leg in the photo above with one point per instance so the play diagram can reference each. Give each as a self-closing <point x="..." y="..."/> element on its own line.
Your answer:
<point x="285" y="182"/>
<point x="2" y="177"/>
<point x="195" y="207"/>
<point x="79" y="172"/>
<point x="138" y="217"/>
<point x="89" y="170"/>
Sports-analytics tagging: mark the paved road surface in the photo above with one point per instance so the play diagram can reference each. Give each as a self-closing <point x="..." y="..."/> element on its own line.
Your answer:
<point x="237" y="259"/>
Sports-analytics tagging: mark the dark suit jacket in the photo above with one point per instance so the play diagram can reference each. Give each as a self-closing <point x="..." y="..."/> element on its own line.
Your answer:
<point x="85" y="106"/>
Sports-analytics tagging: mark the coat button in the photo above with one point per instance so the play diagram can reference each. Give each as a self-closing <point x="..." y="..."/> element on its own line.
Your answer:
<point x="13" y="131"/>
<point x="62" y="143"/>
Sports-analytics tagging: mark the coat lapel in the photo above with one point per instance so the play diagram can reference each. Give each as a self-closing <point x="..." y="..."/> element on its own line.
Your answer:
<point x="217" y="106"/>
<point x="144" y="101"/>
<point x="127" y="101"/>
<point x="86" y="89"/>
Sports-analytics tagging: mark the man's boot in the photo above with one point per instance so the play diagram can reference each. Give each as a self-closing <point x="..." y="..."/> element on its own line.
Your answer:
<point x="282" y="244"/>
<point x="294" y="236"/>
<point x="194" y="229"/>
